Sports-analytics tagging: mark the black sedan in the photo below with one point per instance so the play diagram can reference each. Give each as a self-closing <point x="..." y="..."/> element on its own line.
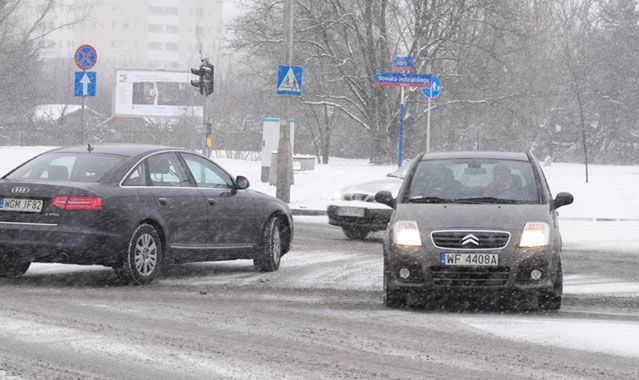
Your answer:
<point x="135" y="208"/>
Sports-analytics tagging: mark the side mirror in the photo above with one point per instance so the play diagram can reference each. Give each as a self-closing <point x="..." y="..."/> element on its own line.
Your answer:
<point x="385" y="198"/>
<point x="242" y="183"/>
<point x="562" y="199"/>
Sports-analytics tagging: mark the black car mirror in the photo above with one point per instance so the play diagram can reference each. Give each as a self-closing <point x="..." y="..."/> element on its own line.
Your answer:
<point x="242" y="183"/>
<point x="385" y="198"/>
<point x="562" y="199"/>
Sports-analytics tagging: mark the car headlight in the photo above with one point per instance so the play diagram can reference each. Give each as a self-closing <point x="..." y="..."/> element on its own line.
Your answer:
<point x="535" y="235"/>
<point x="407" y="233"/>
<point x="337" y="196"/>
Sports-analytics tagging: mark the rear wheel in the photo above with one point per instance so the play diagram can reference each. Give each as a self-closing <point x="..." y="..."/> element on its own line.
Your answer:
<point x="355" y="233"/>
<point x="551" y="299"/>
<point x="269" y="257"/>
<point x="141" y="263"/>
<point x="13" y="266"/>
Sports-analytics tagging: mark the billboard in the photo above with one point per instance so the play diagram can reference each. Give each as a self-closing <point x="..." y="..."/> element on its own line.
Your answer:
<point x="155" y="93"/>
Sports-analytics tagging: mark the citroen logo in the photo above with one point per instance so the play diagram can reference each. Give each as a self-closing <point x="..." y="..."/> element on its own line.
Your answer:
<point x="20" y="190"/>
<point x="470" y="239"/>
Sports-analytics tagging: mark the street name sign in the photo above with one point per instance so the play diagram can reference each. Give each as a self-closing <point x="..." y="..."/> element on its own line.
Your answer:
<point x="403" y="80"/>
<point x="402" y="63"/>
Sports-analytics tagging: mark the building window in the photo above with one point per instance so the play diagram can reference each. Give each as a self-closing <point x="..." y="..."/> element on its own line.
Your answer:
<point x="172" y="11"/>
<point x="172" y="29"/>
<point x="156" y="28"/>
<point x="199" y="12"/>
<point x="126" y="26"/>
<point x="155" y="46"/>
<point x="170" y="47"/>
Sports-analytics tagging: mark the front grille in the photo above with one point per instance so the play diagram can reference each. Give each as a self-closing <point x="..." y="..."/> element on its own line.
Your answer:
<point x="470" y="240"/>
<point x="473" y="277"/>
<point x="359" y="197"/>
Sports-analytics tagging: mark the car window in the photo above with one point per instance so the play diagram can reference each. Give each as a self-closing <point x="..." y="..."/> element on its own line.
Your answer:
<point x="206" y="173"/>
<point x="166" y="170"/>
<point x="73" y="167"/>
<point x="137" y="176"/>
<point x="464" y="179"/>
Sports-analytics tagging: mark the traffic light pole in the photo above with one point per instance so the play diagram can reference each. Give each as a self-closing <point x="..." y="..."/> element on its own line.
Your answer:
<point x="284" y="154"/>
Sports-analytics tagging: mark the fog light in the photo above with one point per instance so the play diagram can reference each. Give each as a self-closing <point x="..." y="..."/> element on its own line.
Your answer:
<point x="404" y="273"/>
<point x="535" y="274"/>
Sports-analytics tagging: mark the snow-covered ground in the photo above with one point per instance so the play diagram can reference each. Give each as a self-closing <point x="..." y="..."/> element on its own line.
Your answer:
<point x="610" y="194"/>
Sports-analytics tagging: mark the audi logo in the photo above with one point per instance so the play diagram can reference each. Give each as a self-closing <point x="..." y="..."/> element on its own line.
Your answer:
<point x="20" y="190"/>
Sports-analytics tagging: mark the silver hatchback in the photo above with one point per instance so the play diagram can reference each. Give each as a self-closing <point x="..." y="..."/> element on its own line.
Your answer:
<point x="467" y="221"/>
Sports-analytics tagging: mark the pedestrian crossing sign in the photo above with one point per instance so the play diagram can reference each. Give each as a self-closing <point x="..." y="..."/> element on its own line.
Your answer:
<point x="289" y="80"/>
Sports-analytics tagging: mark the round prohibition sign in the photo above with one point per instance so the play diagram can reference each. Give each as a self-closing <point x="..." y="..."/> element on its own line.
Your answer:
<point x="85" y="57"/>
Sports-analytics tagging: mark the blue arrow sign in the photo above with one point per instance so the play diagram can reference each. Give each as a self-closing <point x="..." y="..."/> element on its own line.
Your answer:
<point x="434" y="90"/>
<point x="402" y="63"/>
<point x="402" y="79"/>
<point x="289" y="80"/>
<point x="85" y="83"/>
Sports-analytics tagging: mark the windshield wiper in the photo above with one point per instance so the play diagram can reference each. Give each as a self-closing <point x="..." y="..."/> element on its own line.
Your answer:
<point x="429" y="200"/>
<point x="487" y="200"/>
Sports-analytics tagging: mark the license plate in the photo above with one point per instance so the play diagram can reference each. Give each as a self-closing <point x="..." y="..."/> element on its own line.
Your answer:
<point x="351" y="211"/>
<point x="21" y="205"/>
<point x="469" y="259"/>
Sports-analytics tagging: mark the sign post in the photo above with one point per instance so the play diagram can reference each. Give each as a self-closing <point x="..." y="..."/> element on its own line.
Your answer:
<point x="401" y="63"/>
<point x="431" y="93"/>
<point x="85" y="58"/>
<point x="403" y="80"/>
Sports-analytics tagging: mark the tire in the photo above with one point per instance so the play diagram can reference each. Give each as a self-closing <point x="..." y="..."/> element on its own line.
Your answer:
<point x="355" y="233"/>
<point x="393" y="298"/>
<point x="13" y="267"/>
<point x="551" y="299"/>
<point x="142" y="263"/>
<point x="268" y="258"/>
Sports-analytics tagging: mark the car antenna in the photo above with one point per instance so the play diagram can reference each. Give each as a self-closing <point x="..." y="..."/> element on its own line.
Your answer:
<point x="89" y="148"/>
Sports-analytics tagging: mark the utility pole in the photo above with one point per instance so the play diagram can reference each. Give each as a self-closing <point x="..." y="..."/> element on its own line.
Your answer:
<point x="284" y="154"/>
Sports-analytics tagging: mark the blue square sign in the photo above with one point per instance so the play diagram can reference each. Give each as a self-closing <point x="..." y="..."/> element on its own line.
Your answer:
<point x="289" y="80"/>
<point x="85" y="83"/>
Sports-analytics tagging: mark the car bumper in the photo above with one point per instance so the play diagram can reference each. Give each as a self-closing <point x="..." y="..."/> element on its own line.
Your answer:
<point x="512" y="273"/>
<point x="375" y="219"/>
<point x="48" y="243"/>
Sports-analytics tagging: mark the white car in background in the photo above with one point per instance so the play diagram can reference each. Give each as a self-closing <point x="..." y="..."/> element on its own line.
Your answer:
<point x="354" y="208"/>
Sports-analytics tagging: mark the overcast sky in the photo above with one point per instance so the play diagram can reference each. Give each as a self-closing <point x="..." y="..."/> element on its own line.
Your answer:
<point x="231" y="10"/>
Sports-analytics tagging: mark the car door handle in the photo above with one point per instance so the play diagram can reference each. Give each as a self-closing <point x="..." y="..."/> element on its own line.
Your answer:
<point x="163" y="201"/>
<point x="211" y="201"/>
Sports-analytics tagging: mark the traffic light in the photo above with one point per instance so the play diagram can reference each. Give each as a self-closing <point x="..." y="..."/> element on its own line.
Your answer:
<point x="209" y="78"/>
<point x="198" y="83"/>
<point x="206" y="78"/>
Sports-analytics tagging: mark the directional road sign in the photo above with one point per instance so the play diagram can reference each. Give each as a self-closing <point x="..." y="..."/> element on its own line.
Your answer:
<point x="434" y="89"/>
<point x="85" y="83"/>
<point x="85" y="57"/>
<point x="403" y="80"/>
<point x="289" y="80"/>
<point x="402" y="63"/>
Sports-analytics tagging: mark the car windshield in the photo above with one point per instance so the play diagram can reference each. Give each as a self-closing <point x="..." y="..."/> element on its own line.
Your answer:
<point x="473" y="180"/>
<point x="401" y="172"/>
<point x="72" y="167"/>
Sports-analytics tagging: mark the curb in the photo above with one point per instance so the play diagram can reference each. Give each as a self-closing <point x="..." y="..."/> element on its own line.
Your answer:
<point x="310" y="212"/>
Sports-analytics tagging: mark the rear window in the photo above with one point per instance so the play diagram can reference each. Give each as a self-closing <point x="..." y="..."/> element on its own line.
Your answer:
<point x="473" y="180"/>
<point x="73" y="167"/>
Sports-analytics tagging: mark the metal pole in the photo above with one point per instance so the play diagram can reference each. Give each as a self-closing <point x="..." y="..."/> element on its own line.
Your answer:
<point x="428" y="127"/>
<point x="400" y="150"/>
<point x="82" y="127"/>
<point x="284" y="154"/>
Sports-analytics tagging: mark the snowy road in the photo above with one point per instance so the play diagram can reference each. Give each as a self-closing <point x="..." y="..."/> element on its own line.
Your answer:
<point x="320" y="316"/>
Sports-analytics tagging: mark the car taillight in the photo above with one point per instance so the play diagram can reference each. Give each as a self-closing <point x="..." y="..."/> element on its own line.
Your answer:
<point x="64" y="202"/>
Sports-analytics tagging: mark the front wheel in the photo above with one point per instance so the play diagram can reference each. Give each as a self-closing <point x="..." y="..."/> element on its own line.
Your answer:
<point x="13" y="267"/>
<point x="355" y="233"/>
<point x="393" y="298"/>
<point x="551" y="299"/>
<point x="269" y="257"/>
<point x="141" y="263"/>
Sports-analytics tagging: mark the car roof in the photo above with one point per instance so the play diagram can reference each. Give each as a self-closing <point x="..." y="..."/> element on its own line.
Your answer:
<point x="128" y="150"/>
<point x="519" y="156"/>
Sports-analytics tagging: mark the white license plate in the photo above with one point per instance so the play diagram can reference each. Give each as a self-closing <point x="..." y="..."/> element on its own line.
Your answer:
<point x="21" y="205"/>
<point x="469" y="259"/>
<point x="351" y="211"/>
